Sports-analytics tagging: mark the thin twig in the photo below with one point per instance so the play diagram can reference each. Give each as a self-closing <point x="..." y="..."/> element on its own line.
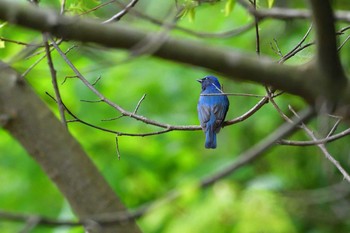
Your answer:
<point x="70" y="48"/>
<point x="289" y="55"/>
<point x="68" y="77"/>
<point x="279" y="110"/>
<point x="76" y="119"/>
<point x="107" y="218"/>
<point x="96" y="81"/>
<point x="153" y="41"/>
<point x="315" y="142"/>
<point x="344" y="42"/>
<point x="97" y="7"/>
<point x="257" y="36"/>
<point x="342" y="30"/>
<point x="288" y="13"/>
<point x="243" y="117"/>
<point x="113" y="118"/>
<point x="223" y="35"/>
<point x="120" y="14"/>
<point x="139" y="103"/>
<point x="92" y="101"/>
<point x="31" y="67"/>
<point x="249" y="113"/>
<point x="334" y="128"/>
<point x="234" y="94"/>
<point x="18" y="42"/>
<point x="277" y="50"/>
<point x="323" y="149"/>
<point x="297" y="48"/>
<point x="102" y="97"/>
<point x="117" y="147"/>
<point x="257" y="150"/>
<point x="54" y="80"/>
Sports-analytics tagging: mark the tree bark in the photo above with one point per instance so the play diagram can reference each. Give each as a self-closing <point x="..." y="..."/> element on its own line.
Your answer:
<point x="31" y="122"/>
<point x="234" y="65"/>
<point x="306" y="81"/>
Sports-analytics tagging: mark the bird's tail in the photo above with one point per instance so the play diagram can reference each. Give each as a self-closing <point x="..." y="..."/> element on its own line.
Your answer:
<point x="210" y="139"/>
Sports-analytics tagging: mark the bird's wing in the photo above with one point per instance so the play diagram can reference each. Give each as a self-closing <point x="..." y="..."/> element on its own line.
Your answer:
<point x="203" y="114"/>
<point x="219" y="110"/>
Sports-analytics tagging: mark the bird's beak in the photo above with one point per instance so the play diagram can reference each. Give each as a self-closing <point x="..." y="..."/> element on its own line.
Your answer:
<point x="199" y="80"/>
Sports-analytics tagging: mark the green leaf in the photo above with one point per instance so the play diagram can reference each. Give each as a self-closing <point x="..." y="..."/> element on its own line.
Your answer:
<point x="3" y="24"/>
<point x="229" y="6"/>
<point x="2" y="44"/>
<point x="270" y="3"/>
<point x="188" y="9"/>
<point x="191" y="14"/>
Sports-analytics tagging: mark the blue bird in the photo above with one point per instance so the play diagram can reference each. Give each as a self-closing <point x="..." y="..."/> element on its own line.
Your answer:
<point x="211" y="109"/>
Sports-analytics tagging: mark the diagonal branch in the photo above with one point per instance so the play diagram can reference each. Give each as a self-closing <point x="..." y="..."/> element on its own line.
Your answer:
<point x="288" y="14"/>
<point x="54" y="80"/>
<point x="222" y="60"/>
<point x="324" y="150"/>
<point x="123" y="12"/>
<point x="315" y="142"/>
<point x="257" y="150"/>
<point x="58" y="153"/>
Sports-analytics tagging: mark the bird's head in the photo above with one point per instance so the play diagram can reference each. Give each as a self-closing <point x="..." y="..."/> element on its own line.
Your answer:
<point x="209" y="81"/>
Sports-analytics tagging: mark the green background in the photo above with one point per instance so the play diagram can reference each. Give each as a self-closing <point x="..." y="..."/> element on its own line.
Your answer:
<point x="290" y="189"/>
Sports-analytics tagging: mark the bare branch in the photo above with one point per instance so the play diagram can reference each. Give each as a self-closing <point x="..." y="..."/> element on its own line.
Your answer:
<point x="117" y="147"/>
<point x="68" y="77"/>
<point x="16" y="42"/>
<point x="225" y="34"/>
<point x="344" y="42"/>
<point x="139" y="103"/>
<point x="139" y="14"/>
<point x="120" y="14"/>
<point x="102" y="97"/>
<point x="97" y="7"/>
<point x="54" y="80"/>
<point x="249" y="113"/>
<point x="323" y="149"/>
<point x="31" y="67"/>
<point x="257" y="36"/>
<point x="234" y="94"/>
<point x="297" y="47"/>
<point x="257" y="150"/>
<point x="227" y="62"/>
<point x="76" y="176"/>
<point x="315" y="142"/>
<point x="92" y="101"/>
<point x="96" y="81"/>
<point x="279" y="110"/>
<point x="288" y="14"/>
<point x="103" y="218"/>
<point x="170" y="128"/>
<point x="277" y="50"/>
<point x="334" y="128"/>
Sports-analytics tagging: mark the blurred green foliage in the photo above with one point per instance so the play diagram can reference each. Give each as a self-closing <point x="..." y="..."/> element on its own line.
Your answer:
<point x="256" y="198"/>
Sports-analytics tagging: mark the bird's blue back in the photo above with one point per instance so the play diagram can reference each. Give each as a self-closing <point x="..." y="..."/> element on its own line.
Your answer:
<point x="211" y="109"/>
